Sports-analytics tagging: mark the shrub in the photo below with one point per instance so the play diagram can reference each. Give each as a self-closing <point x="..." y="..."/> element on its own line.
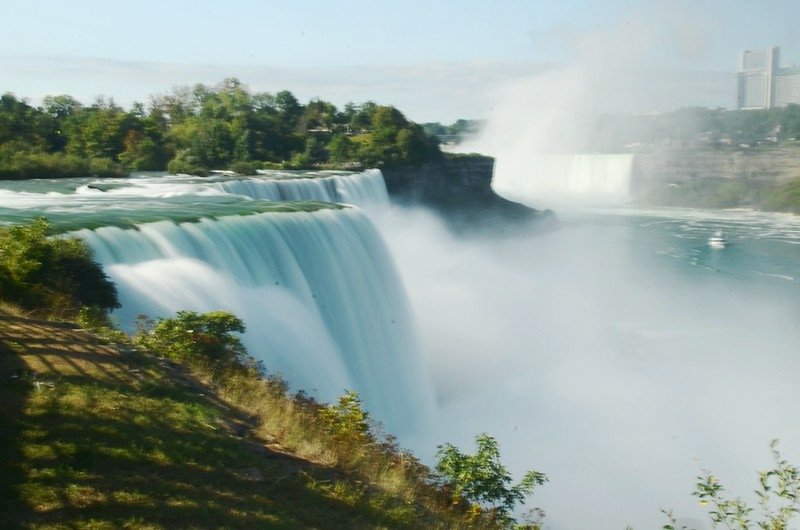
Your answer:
<point x="347" y="420"/>
<point x="197" y="337"/>
<point x="18" y="162"/>
<point x="53" y="274"/>
<point x="186" y="164"/>
<point x="482" y="479"/>
<point x="244" y="168"/>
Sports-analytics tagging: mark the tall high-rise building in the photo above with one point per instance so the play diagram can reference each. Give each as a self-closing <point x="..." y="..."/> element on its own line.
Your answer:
<point x="762" y="84"/>
<point x="755" y="78"/>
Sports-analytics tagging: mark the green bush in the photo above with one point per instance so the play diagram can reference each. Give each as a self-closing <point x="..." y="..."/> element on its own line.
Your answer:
<point x="482" y="479"/>
<point x="185" y="163"/>
<point x="52" y="274"/>
<point x="16" y="163"/>
<point x="244" y="168"/>
<point x="193" y="337"/>
<point x="347" y="420"/>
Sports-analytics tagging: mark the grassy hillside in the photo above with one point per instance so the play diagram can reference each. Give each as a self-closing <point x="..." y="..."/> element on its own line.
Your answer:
<point x="97" y="435"/>
<point x="786" y="198"/>
<point x="728" y="193"/>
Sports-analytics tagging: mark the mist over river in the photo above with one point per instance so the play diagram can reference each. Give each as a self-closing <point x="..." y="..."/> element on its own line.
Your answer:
<point x="619" y="353"/>
<point x="616" y="352"/>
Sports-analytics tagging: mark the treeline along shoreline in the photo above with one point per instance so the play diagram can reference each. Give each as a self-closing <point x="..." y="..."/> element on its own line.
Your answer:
<point x="196" y="129"/>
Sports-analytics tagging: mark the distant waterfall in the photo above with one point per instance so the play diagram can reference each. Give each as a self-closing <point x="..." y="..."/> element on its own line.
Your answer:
<point x="585" y="178"/>
<point x="318" y="291"/>
<point x="366" y="189"/>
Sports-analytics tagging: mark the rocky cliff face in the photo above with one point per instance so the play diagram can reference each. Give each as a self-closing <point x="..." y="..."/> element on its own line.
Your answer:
<point x="467" y="177"/>
<point x="716" y="178"/>
<point x="777" y="165"/>
<point x="459" y="188"/>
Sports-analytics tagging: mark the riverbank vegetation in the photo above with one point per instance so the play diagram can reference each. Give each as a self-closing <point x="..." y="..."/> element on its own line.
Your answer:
<point x="784" y="198"/>
<point x="728" y="193"/>
<point x="196" y="129"/>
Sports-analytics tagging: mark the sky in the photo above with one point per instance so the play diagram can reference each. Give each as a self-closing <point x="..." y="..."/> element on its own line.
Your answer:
<point x="436" y="61"/>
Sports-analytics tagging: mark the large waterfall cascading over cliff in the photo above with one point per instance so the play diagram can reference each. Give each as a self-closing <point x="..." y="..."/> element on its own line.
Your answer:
<point x="318" y="291"/>
<point x="586" y="178"/>
<point x="366" y="189"/>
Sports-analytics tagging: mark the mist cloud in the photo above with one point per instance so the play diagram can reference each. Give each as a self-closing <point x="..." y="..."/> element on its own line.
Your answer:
<point x="595" y="356"/>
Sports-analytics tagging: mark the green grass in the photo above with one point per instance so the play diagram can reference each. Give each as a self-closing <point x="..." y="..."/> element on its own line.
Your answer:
<point x="94" y="438"/>
<point x="728" y="193"/>
<point x="786" y="198"/>
<point x="710" y="193"/>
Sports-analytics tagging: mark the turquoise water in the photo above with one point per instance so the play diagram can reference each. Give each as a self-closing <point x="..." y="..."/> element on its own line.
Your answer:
<point x="71" y="204"/>
<point x="763" y="248"/>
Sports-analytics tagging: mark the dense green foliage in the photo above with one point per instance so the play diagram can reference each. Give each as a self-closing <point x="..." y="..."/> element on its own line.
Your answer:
<point x="51" y="274"/>
<point x="191" y="336"/>
<point x="16" y="163"/>
<point x="347" y="419"/>
<point x="193" y="130"/>
<point x="482" y="479"/>
<point x="456" y="132"/>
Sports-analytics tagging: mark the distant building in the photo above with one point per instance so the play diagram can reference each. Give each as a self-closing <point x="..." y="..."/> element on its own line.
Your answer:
<point x="762" y="84"/>
<point x="787" y="86"/>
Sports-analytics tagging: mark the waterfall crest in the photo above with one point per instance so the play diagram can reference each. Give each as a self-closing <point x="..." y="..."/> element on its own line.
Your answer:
<point x="366" y="189"/>
<point x="585" y="178"/>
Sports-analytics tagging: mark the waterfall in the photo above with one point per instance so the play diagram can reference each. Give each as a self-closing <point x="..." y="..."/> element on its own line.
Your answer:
<point x="318" y="291"/>
<point x="587" y="178"/>
<point x="366" y="189"/>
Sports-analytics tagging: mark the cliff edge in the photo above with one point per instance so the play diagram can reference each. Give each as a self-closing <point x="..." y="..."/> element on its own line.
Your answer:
<point x="459" y="188"/>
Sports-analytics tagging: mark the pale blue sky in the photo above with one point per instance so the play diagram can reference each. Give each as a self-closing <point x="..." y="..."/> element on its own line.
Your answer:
<point x="436" y="60"/>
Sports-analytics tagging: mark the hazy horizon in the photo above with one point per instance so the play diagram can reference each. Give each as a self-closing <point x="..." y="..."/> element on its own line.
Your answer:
<point x="435" y="63"/>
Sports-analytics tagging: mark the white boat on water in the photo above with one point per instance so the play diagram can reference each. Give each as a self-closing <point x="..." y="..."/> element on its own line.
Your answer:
<point x="718" y="240"/>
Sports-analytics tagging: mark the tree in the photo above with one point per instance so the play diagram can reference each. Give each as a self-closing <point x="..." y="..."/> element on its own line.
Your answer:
<point x="289" y="109"/>
<point x="790" y="122"/>
<point x="341" y="148"/>
<point x="193" y="337"/>
<point x="196" y="128"/>
<point x="40" y="272"/>
<point x="482" y="479"/>
<point x="98" y="131"/>
<point x="186" y="163"/>
<point x="347" y="420"/>
<point x="318" y="114"/>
